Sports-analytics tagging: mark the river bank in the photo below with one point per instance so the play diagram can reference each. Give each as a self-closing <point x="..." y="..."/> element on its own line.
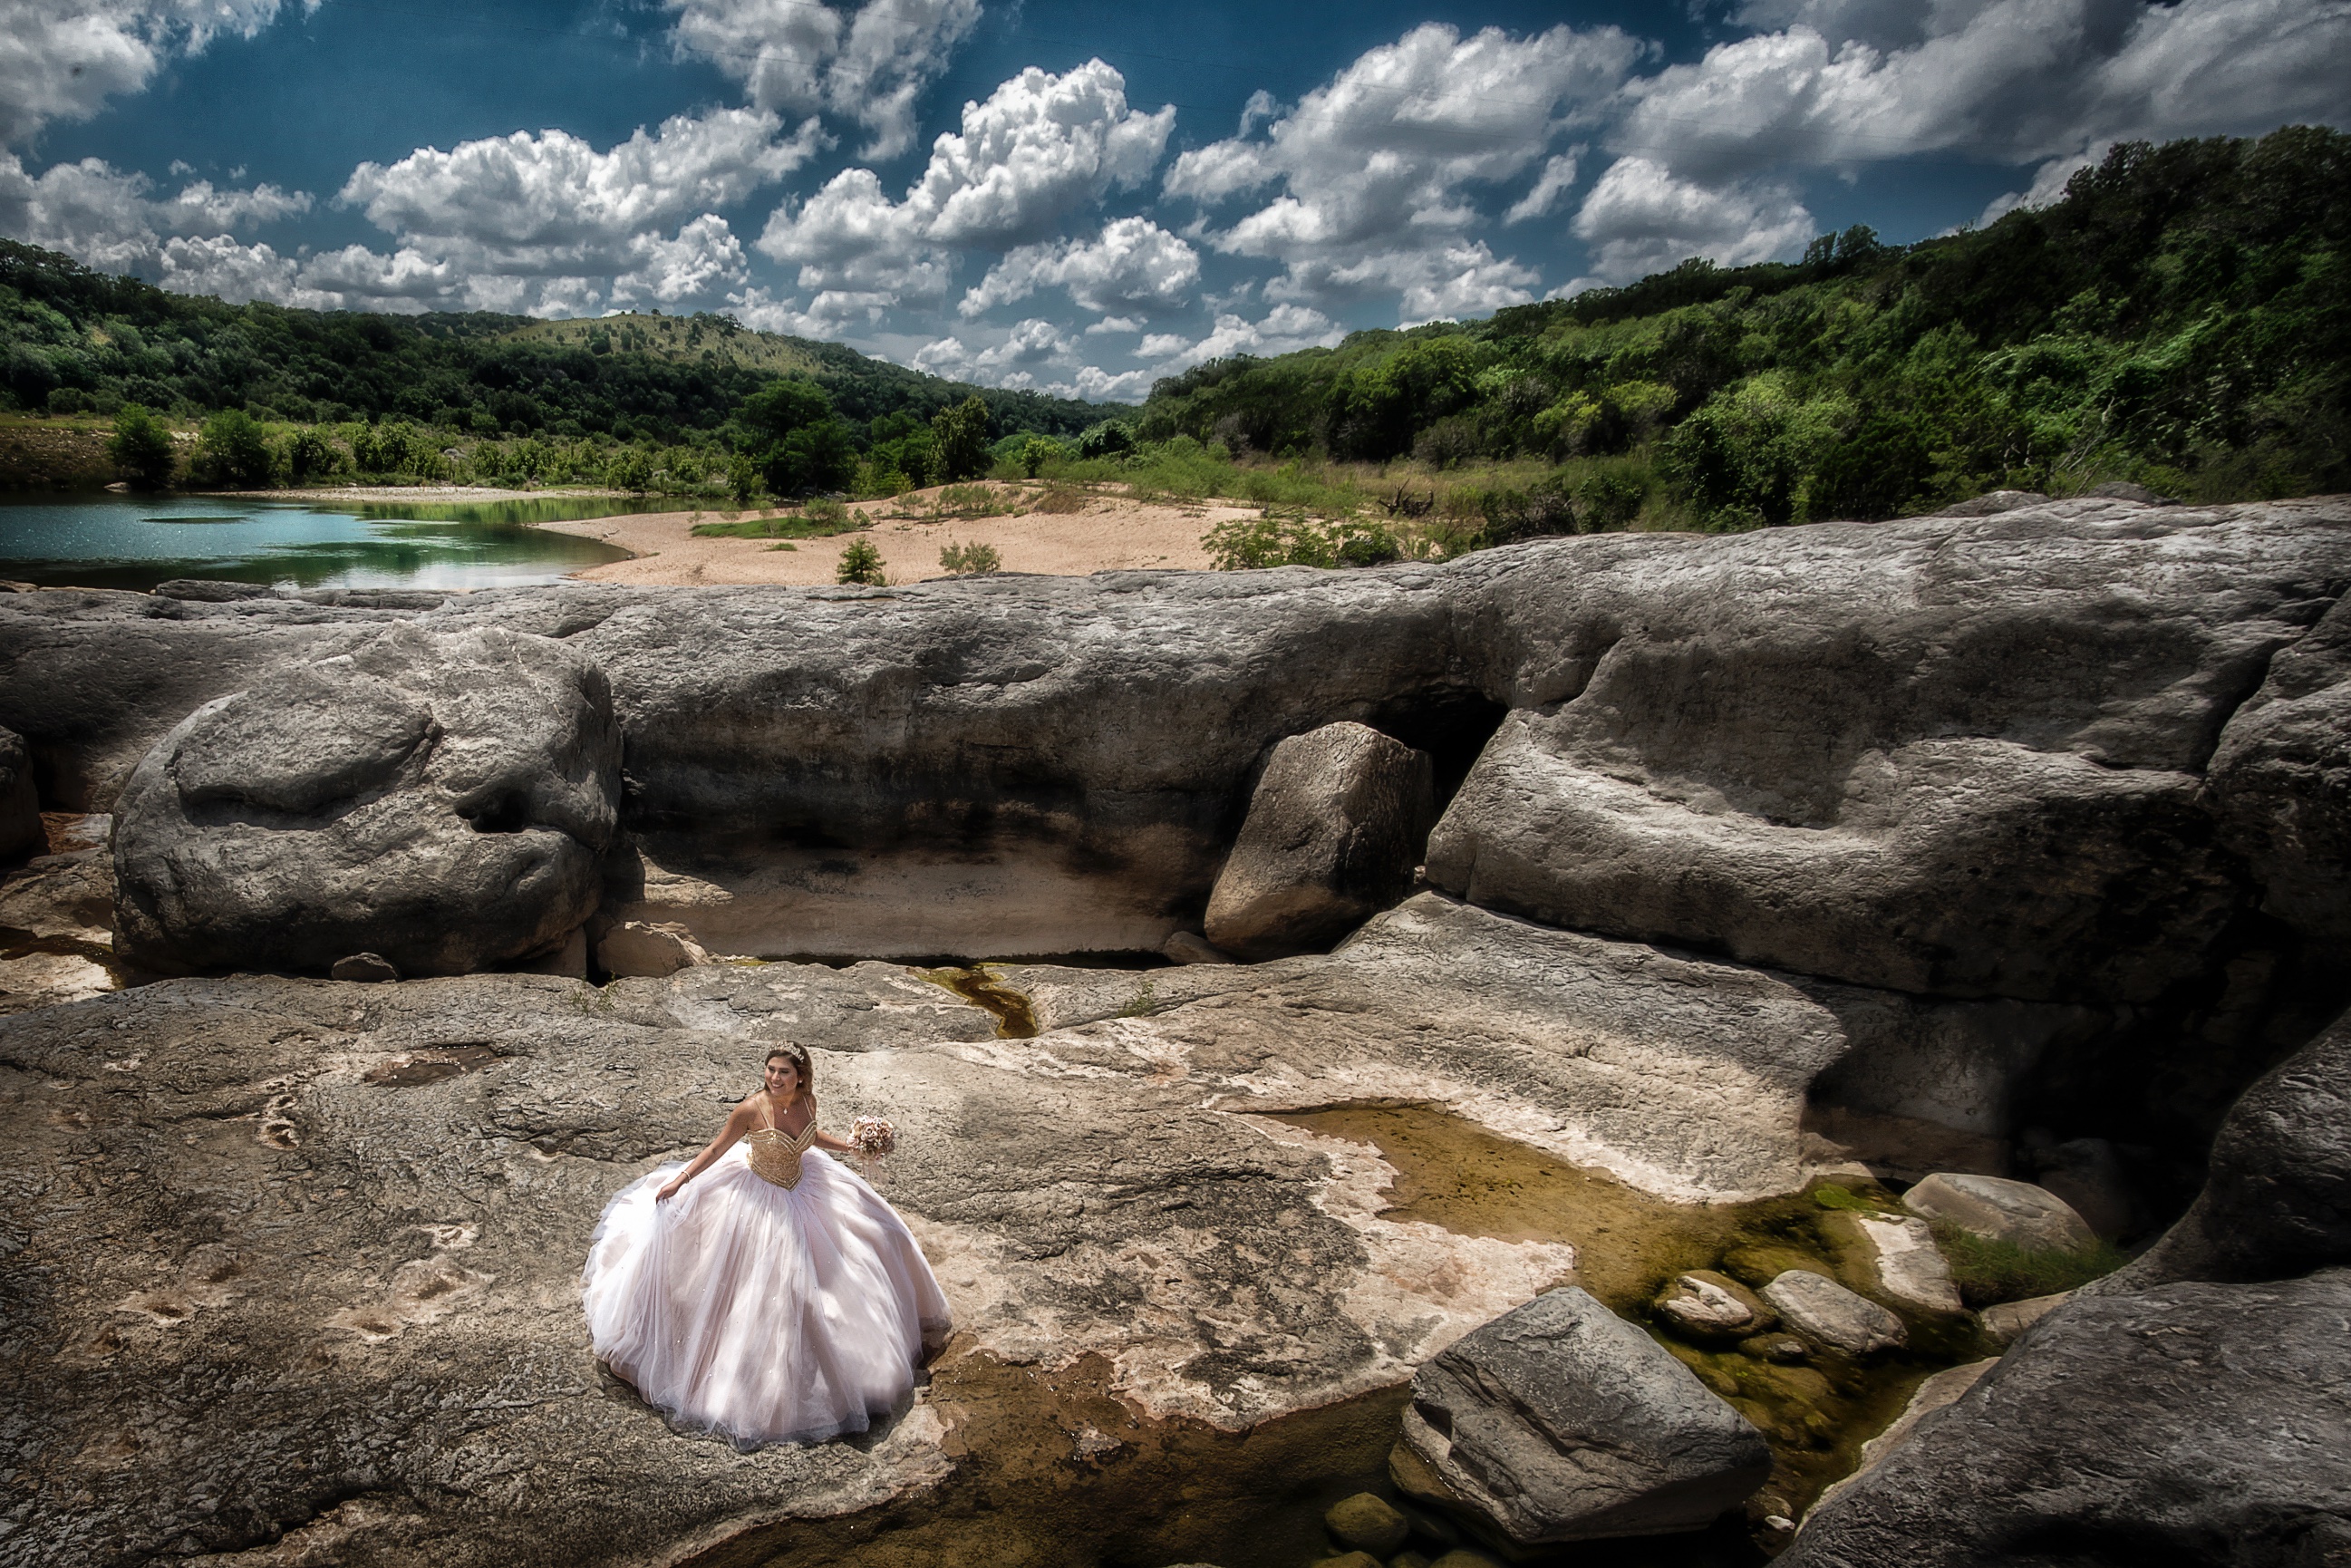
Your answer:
<point x="1108" y="533"/>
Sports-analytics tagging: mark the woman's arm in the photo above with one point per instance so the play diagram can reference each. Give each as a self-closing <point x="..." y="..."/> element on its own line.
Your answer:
<point x="738" y="1122"/>
<point x="838" y="1145"/>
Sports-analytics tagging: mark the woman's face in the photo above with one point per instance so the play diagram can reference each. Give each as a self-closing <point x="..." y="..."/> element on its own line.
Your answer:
<point x="783" y="1078"/>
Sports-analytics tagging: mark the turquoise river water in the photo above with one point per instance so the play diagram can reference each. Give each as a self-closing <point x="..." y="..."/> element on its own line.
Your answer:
<point x="136" y="542"/>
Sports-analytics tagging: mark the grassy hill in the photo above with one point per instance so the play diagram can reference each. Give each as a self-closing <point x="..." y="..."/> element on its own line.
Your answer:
<point x="78" y="342"/>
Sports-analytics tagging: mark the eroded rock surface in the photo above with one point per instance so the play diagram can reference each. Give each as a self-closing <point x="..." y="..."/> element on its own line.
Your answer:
<point x="441" y="799"/>
<point x="2189" y="1422"/>
<point x="1334" y="829"/>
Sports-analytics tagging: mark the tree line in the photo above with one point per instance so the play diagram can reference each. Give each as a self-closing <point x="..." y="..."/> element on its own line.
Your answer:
<point x="2180" y="318"/>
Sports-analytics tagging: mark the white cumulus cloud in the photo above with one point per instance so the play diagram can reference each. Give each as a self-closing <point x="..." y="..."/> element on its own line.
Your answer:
<point x="61" y="59"/>
<point x="1039" y="149"/>
<point x="1641" y="218"/>
<point x="1374" y="171"/>
<point x="114" y="220"/>
<point x="1133" y="265"/>
<point x="1284" y="330"/>
<point x="869" y="65"/>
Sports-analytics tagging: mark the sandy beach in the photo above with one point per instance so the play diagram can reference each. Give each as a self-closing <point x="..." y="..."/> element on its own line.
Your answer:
<point x="1111" y="533"/>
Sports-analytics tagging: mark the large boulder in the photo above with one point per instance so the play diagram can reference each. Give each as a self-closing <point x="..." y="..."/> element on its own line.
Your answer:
<point x="439" y="798"/>
<point x="1334" y="829"/>
<point x="2276" y="1200"/>
<point x="1951" y="756"/>
<point x="1562" y="1422"/>
<point x="20" y="800"/>
<point x="2191" y="1423"/>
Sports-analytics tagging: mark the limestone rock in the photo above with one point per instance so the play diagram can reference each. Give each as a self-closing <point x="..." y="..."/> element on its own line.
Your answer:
<point x="441" y="799"/>
<point x="1191" y="947"/>
<point x="1334" y="829"/>
<point x="1562" y="1422"/>
<point x="1823" y="1311"/>
<point x="2000" y="1210"/>
<point x="2277" y="1191"/>
<point x="1709" y="1307"/>
<point x="2005" y="1321"/>
<point x="1366" y="1522"/>
<point x="20" y="800"/>
<point x="1898" y="1259"/>
<point x="634" y="949"/>
<point x="2280" y="780"/>
<point x="1869" y="724"/>
<point x="370" y="968"/>
<point x="2190" y="1422"/>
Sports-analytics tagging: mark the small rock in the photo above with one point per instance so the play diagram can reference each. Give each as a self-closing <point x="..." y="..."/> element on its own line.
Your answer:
<point x="2009" y="1318"/>
<point x="1898" y="1259"/>
<point x="1408" y="1559"/>
<point x="1336" y="825"/>
<point x="2000" y="1210"/>
<point x="1560" y="1421"/>
<point x="1191" y="947"/>
<point x="367" y="967"/>
<point x="1350" y="1560"/>
<point x="1705" y="1305"/>
<point x="1779" y="1524"/>
<point x="636" y="949"/>
<point x="1367" y="1523"/>
<point x="1462" y="1557"/>
<point x="1823" y="1310"/>
<point x="1779" y="1349"/>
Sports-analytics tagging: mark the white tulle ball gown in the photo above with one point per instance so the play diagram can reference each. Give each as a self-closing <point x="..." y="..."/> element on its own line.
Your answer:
<point x="775" y="1299"/>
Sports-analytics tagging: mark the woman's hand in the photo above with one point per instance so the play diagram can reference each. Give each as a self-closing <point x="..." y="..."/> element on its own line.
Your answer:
<point x="671" y="1190"/>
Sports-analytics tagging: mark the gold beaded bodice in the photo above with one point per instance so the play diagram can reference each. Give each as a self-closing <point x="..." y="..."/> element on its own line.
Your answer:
<point x="776" y="1154"/>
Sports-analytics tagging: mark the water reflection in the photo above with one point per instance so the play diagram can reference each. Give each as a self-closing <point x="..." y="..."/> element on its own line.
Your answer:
<point x="136" y="542"/>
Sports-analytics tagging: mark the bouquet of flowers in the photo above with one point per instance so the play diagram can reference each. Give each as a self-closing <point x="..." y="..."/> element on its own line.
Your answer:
<point x="872" y="1136"/>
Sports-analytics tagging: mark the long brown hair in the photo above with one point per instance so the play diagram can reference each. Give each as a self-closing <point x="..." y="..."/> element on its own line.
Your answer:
<point x="799" y="1057"/>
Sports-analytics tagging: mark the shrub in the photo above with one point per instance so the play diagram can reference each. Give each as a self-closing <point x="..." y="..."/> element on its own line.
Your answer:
<point x="1038" y="452"/>
<point x="232" y="450"/>
<point x="860" y="562"/>
<point x="1059" y="498"/>
<point x="970" y="560"/>
<point x="1270" y="539"/>
<point x="141" y="447"/>
<point x="1108" y="439"/>
<point x="1989" y="1271"/>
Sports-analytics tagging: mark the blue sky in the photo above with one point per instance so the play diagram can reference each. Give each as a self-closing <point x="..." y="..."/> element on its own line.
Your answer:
<point x="1069" y="196"/>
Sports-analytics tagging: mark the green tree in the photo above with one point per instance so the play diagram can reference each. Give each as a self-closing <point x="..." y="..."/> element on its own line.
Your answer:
<point x="310" y="455"/>
<point x="793" y="434"/>
<point x="961" y="436"/>
<point x="1038" y="451"/>
<point x="141" y="447"/>
<point x="232" y="450"/>
<point x="860" y="562"/>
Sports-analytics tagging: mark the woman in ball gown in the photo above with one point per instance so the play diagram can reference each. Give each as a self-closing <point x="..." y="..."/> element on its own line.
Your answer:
<point x="763" y="1291"/>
